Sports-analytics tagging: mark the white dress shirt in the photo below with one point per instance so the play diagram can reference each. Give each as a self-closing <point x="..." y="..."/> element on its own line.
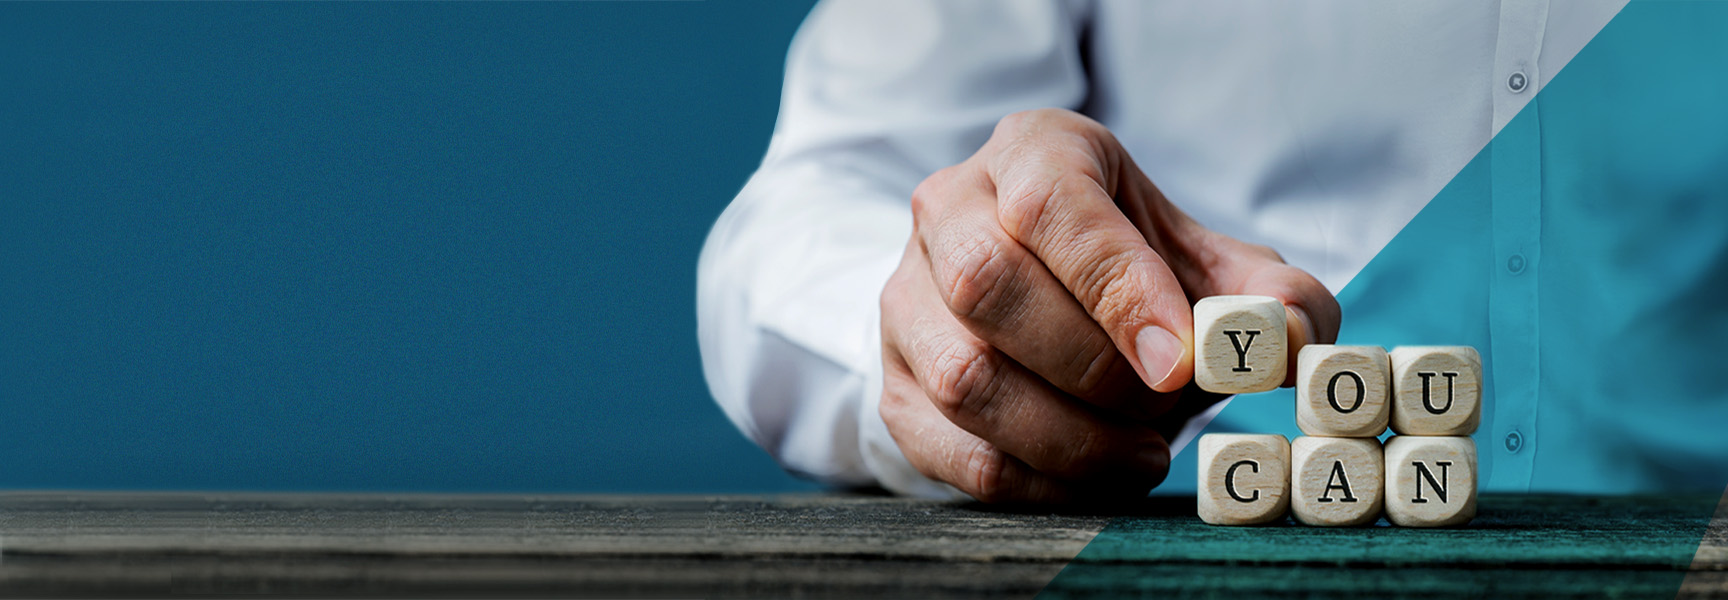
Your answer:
<point x="1317" y="128"/>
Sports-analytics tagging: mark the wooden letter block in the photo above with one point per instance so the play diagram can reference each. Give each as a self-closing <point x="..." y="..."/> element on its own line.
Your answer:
<point x="1343" y="391"/>
<point x="1430" y="481"/>
<point x="1336" y="481"/>
<point x="1244" y="478"/>
<point x="1436" y="390"/>
<point x="1239" y="344"/>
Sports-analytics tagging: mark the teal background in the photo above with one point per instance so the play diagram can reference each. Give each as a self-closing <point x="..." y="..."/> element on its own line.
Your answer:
<point x="371" y="246"/>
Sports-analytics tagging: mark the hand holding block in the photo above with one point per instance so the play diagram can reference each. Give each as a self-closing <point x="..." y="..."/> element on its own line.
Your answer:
<point x="1430" y="481"/>
<point x="1336" y="481"/>
<point x="1239" y="344"/>
<point x="1244" y="478"/>
<point x="1343" y="391"/>
<point x="1436" y="390"/>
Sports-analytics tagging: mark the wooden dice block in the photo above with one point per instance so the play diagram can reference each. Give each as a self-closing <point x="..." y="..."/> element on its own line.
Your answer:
<point x="1436" y="390"/>
<point x="1244" y="478"/>
<point x="1343" y="391"/>
<point x="1336" y="481"/>
<point x="1239" y="344"/>
<point x="1430" y="481"/>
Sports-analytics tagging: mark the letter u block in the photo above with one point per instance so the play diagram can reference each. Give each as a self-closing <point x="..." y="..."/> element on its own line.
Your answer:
<point x="1244" y="478"/>
<point x="1430" y="481"/>
<point x="1239" y="344"/>
<point x="1436" y="390"/>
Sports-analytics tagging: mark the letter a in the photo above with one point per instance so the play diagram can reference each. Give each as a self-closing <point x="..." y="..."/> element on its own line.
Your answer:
<point x="1337" y="481"/>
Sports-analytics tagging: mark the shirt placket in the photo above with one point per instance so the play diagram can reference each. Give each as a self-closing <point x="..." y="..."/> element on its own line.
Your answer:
<point x="1516" y="205"/>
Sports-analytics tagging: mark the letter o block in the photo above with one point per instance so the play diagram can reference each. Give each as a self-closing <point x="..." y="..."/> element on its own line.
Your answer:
<point x="1239" y="344"/>
<point x="1336" y="481"/>
<point x="1343" y="391"/>
<point x="1436" y="390"/>
<point x="1244" y="478"/>
<point x="1430" y="481"/>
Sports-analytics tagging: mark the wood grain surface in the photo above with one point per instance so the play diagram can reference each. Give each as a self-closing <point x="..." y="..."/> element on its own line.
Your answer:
<point x="127" y="544"/>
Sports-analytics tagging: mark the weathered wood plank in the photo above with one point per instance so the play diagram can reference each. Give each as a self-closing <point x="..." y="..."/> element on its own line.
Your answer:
<point x="105" y="544"/>
<point x="833" y="546"/>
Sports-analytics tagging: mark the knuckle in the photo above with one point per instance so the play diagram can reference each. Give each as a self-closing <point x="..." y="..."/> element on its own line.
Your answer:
<point x="1098" y="361"/>
<point x="893" y="292"/>
<point x="1113" y="290"/>
<point x="966" y="382"/>
<point x="891" y="408"/>
<point x="930" y="195"/>
<point x="1087" y="453"/>
<point x="1038" y="116"/>
<point x="1017" y="122"/>
<point x="985" y="473"/>
<point x="1266" y="252"/>
<point x="1026" y="205"/>
<point x="979" y="280"/>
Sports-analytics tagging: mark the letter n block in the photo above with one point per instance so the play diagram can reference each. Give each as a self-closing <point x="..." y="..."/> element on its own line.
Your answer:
<point x="1436" y="390"/>
<point x="1244" y="478"/>
<point x="1239" y="344"/>
<point x="1336" y="481"/>
<point x="1430" y="481"/>
<point x="1343" y="391"/>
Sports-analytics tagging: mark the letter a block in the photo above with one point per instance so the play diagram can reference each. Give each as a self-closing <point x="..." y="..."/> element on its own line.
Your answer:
<point x="1430" y="481"/>
<point x="1239" y="344"/>
<point x="1244" y="478"/>
<point x="1336" y="481"/>
<point x="1436" y="390"/>
<point x="1343" y="391"/>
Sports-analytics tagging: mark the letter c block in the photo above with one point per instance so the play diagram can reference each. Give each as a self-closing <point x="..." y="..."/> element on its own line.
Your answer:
<point x="1244" y="478"/>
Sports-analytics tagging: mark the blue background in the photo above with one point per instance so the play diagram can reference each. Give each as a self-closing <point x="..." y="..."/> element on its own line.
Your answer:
<point x="371" y="246"/>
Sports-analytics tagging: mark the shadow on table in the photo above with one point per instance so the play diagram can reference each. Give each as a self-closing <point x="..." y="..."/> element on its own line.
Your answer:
<point x="1152" y="507"/>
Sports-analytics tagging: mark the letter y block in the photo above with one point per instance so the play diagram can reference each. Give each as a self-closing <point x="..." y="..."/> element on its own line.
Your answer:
<point x="1239" y="344"/>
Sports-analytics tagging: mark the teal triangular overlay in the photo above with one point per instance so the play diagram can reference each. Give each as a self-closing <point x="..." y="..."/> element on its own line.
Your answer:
<point x="1585" y="254"/>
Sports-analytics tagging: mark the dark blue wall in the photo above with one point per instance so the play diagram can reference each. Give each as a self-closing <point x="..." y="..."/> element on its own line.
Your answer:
<point x="371" y="246"/>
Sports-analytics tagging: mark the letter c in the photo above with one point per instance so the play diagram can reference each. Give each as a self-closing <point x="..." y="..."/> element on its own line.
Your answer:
<point x="1230" y="481"/>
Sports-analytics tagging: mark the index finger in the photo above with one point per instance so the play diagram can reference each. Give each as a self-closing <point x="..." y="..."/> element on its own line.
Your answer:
<point x="1052" y="198"/>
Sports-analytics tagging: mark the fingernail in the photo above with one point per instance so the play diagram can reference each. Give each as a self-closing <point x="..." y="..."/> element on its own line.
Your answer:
<point x="1299" y="316"/>
<point x="1160" y="351"/>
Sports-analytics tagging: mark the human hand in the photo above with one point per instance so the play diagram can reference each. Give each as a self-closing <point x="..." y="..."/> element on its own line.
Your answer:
<point x="1040" y="322"/>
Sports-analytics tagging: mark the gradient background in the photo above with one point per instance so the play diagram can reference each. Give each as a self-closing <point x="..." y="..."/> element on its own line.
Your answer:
<point x="372" y="246"/>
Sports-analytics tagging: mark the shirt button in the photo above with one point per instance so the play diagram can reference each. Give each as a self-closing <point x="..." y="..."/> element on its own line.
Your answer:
<point x="1517" y="82"/>
<point x="1515" y="264"/>
<point x="1514" y="442"/>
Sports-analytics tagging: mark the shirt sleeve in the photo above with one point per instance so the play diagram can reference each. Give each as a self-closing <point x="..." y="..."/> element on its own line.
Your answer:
<point x="878" y="95"/>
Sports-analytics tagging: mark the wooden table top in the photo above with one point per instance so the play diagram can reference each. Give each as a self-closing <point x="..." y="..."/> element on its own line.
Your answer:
<point x="105" y="544"/>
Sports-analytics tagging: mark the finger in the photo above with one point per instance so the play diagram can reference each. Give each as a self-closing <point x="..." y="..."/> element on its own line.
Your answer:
<point x="1052" y="198"/>
<point x="1001" y="293"/>
<point x="944" y="452"/>
<point x="989" y="395"/>
<point x="1311" y="311"/>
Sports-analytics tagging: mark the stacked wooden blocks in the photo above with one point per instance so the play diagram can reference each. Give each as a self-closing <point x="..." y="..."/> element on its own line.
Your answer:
<point x="1346" y="396"/>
